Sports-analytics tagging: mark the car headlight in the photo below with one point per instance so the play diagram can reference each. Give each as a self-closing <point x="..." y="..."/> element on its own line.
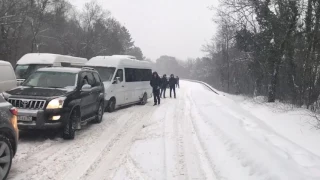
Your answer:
<point x="56" y="103"/>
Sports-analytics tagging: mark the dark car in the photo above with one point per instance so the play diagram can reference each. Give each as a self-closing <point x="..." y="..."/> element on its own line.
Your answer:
<point x="8" y="136"/>
<point x="59" y="98"/>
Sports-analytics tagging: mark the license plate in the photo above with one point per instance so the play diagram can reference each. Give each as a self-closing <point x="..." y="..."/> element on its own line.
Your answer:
<point x="24" y="118"/>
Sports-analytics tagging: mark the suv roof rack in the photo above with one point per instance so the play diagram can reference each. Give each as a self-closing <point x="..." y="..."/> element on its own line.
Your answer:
<point x="125" y="56"/>
<point x="88" y="68"/>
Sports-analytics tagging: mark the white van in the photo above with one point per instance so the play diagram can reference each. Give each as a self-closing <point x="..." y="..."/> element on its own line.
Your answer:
<point x="7" y="78"/>
<point x="126" y="79"/>
<point x="29" y="63"/>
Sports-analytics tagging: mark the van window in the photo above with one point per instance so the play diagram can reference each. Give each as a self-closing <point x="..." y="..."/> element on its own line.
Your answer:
<point x="106" y="73"/>
<point x="136" y="75"/>
<point x="23" y="71"/>
<point x="6" y="73"/>
<point x="119" y="74"/>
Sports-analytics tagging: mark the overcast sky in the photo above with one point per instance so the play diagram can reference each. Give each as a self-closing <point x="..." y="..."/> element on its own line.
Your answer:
<point x="164" y="27"/>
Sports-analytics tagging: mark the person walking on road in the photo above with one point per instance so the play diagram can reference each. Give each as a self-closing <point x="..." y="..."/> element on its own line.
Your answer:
<point x="155" y="84"/>
<point x="177" y="79"/>
<point x="164" y="84"/>
<point x="172" y="84"/>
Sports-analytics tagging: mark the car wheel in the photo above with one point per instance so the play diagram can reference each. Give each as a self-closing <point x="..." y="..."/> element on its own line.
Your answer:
<point x="6" y="155"/>
<point x="144" y="99"/>
<point x="112" y="105"/>
<point x="99" y="114"/>
<point x="70" y="127"/>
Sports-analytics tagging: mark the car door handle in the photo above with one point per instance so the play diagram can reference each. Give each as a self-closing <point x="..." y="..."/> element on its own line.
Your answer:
<point x="122" y="85"/>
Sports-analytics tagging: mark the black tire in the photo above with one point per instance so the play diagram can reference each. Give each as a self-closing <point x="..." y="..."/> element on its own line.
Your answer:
<point x="6" y="155"/>
<point x="99" y="114"/>
<point x="144" y="99"/>
<point x="111" y="105"/>
<point x="70" y="127"/>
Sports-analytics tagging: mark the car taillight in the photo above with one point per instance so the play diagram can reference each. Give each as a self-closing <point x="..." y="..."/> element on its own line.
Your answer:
<point x="14" y="111"/>
<point x="14" y="121"/>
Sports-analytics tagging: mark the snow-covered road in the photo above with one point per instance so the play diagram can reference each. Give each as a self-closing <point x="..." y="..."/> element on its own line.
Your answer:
<point x="199" y="135"/>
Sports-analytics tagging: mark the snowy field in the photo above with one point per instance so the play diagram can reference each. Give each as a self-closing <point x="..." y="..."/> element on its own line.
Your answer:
<point x="199" y="135"/>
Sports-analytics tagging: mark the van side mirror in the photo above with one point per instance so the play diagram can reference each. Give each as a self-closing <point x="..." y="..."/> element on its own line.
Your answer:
<point x="116" y="81"/>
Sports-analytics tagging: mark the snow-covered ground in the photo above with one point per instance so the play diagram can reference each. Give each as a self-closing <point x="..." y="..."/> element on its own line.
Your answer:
<point x="297" y="124"/>
<point x="199" y="135"/>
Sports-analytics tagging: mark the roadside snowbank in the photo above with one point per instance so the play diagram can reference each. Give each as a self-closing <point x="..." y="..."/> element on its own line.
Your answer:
<point x="296" y="124"/>
<point x="247" y="146"/>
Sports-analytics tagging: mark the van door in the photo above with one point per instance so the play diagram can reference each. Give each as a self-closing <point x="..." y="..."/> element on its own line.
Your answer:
<point x="7" y="79"/>
<point x="119" y="87"/>
<point x="131" y="84"/>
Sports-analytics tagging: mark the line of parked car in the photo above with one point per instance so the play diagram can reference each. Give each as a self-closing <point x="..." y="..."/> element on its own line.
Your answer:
<point x="50" y="91"/>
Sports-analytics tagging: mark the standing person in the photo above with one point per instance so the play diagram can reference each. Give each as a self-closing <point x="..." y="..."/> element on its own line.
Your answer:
<point x="172" y="84"/>
<point x="164" y="84"/>
<point x="155" y="84"/>
<point x="178" y="85"/>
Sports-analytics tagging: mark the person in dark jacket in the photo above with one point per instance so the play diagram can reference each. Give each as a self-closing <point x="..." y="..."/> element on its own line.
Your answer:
<point x="177" y="79"/>
<point x="172" y="84"/>
<point x="164" y="84"/>
<point x="155" y="84"/>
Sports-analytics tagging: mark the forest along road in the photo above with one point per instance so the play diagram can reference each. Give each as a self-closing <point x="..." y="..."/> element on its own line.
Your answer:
<point x="199" y="135"/>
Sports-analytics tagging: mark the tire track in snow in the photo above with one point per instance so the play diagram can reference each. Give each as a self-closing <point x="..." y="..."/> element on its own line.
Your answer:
<point x="198" y="158"/>
<point x="134" y="170"/>
<point x="184" y="156"/>
<point x="25" y="151"/>
<point x="112" y="156"/>
<point x="28" y="166"/>
<point x="231" y="150"/>
<point x="197" y="164"/>
<point x="178" y="121"/>
<point x="63" y="153"/>
<point x="165" y="146"/>
<point x="107" y="138"/>
<point x="171" y="156"/>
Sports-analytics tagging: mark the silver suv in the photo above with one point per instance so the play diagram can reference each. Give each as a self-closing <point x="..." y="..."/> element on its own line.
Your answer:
<point x="8" y="136"/>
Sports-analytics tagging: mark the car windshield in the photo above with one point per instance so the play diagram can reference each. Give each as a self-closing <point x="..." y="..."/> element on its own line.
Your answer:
<point x="106" y="73"/>
<point x="23" y="71"/>
<point x="48" y="79"/>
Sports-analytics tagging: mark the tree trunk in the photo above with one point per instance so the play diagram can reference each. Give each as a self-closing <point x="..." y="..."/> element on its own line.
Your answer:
<point x="273" y="81"/>
<point x="257" y="87"/>
<point x="228" y="63"/>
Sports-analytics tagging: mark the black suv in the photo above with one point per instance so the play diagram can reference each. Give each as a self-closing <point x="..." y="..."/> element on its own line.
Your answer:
<point x="8" y="136"/>
<point x="59" y="97"/>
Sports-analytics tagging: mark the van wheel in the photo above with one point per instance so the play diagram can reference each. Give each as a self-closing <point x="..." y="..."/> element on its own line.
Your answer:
<point x="99" y="114"/>
<point x="70" y="127"/>
<point x="112" y="105"/>
<point x="144" y="99"/>
<point x="6" y="155"/>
